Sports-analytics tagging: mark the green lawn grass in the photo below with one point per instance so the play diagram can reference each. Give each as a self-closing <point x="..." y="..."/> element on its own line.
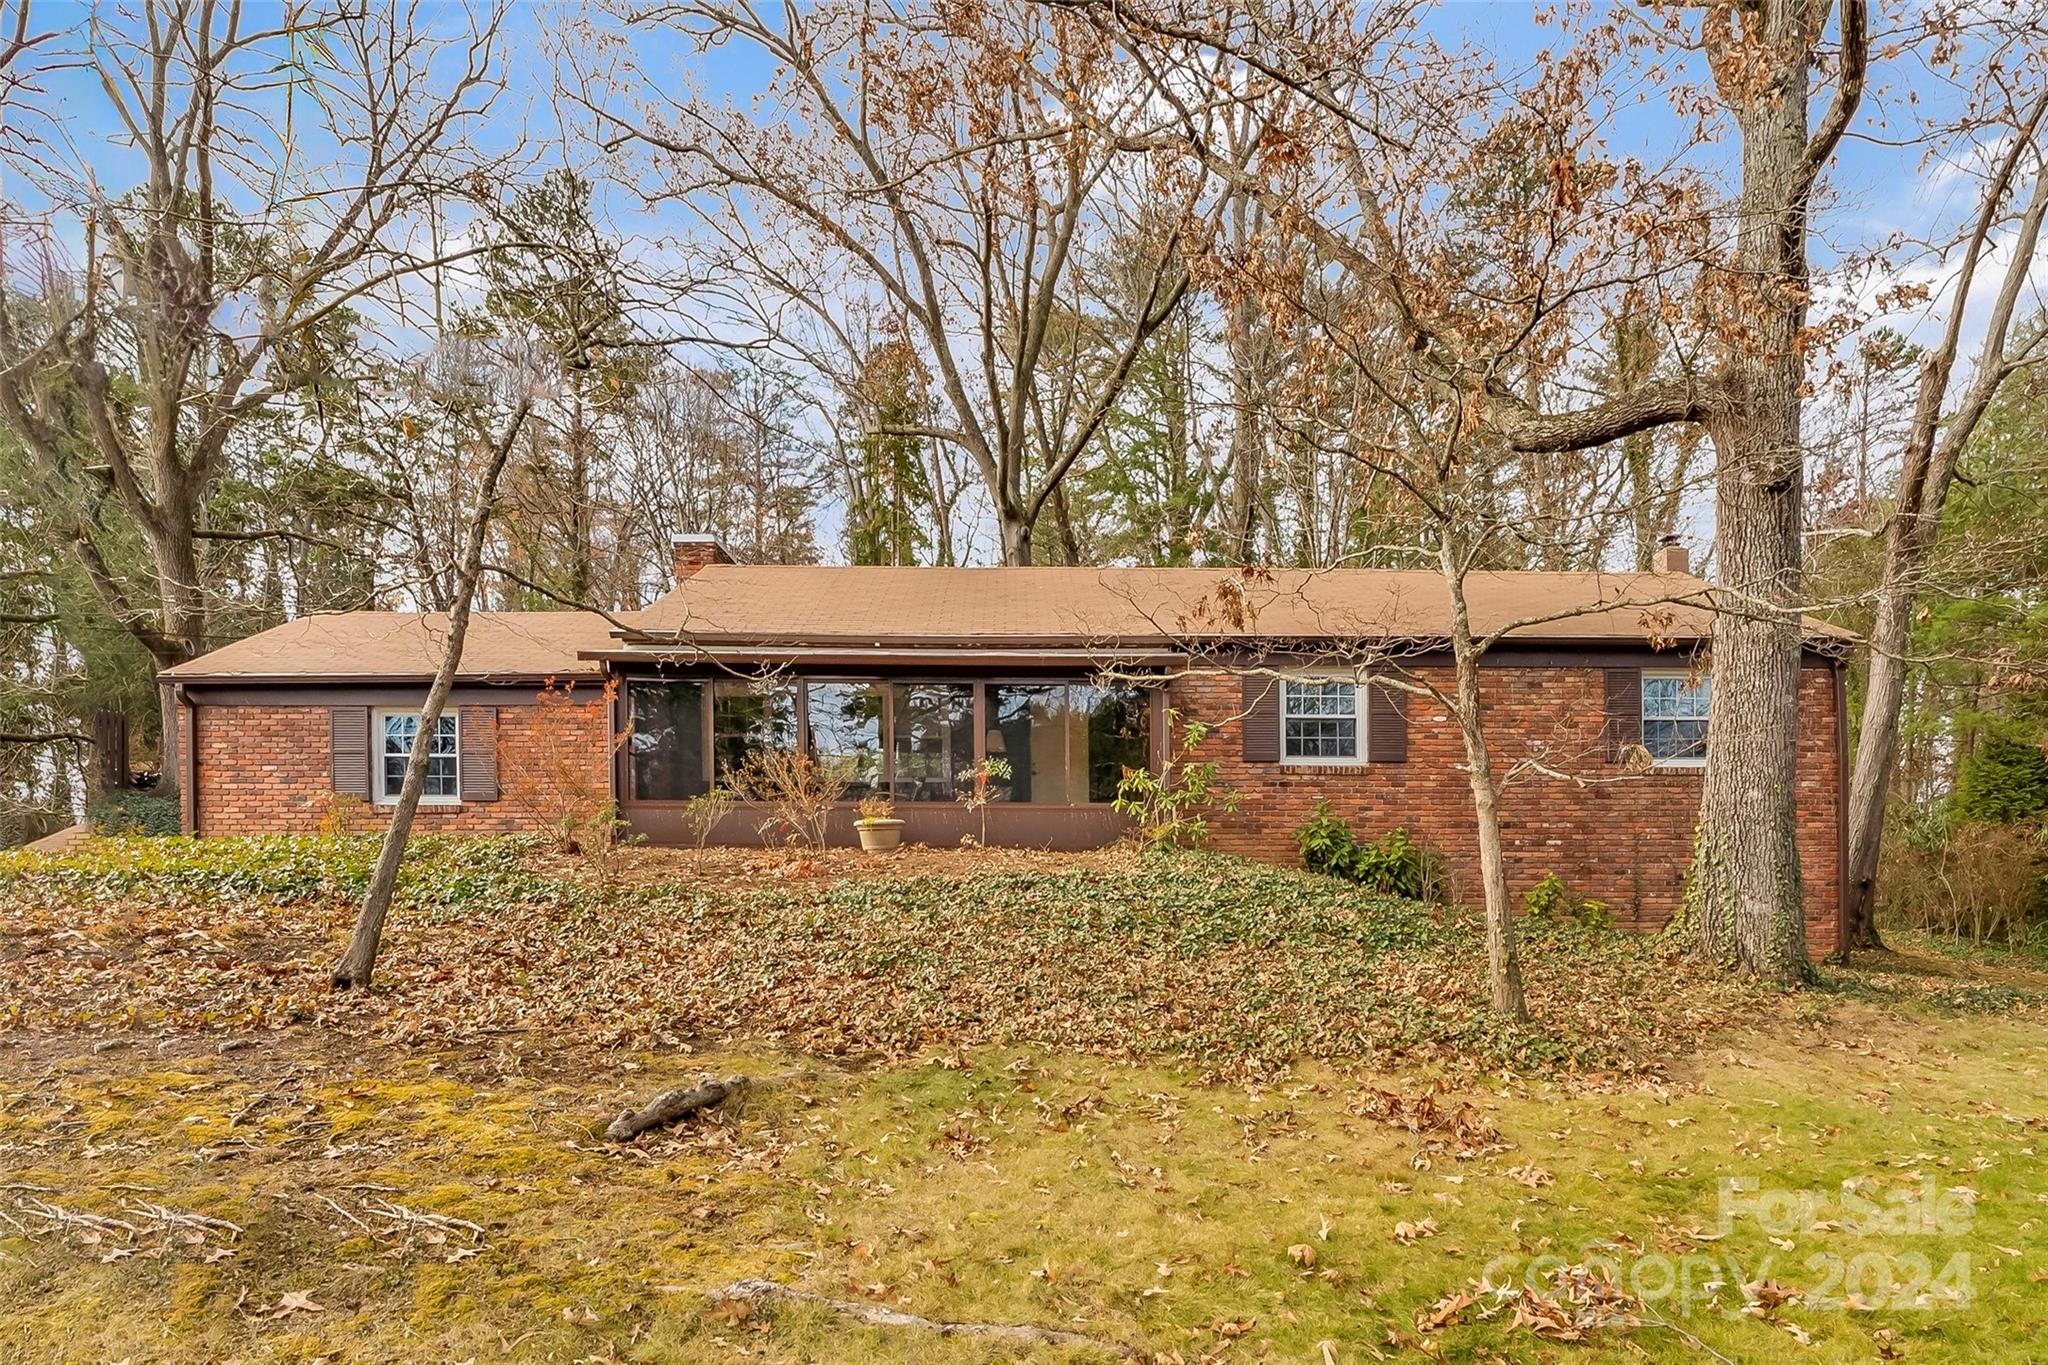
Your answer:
<point x="1151" y="1200"/>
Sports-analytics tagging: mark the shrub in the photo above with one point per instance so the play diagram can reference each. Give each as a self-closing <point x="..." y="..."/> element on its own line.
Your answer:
<point x="798" y="792"/>
<point x="2005" y="781"/>
<point x="702" y="813"/>
<point x="876" y="808"/>
<point x="345" y="814"/>
<point x="155" y="813"/>
<point x="1170" y="809"/>
<point x="1394" y="864"/>
<point x="562" y="789"/>
<point x="1326" y="842"/>
<point x="1553" y="900"/>
<point x="983" y="781"/>
<point x="1967" y="879"/>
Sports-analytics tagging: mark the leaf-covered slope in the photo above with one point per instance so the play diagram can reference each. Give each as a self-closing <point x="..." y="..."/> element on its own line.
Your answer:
<point x="1228" y="963"/>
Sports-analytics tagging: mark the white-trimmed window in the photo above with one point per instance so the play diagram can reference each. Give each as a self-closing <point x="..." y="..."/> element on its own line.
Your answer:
<point x="1675" y="718"/>
<point x="395" y="733"/>
<point x="1320" y="721"/>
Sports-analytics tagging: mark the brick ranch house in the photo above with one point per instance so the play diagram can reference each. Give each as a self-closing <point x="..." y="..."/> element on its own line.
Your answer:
<point x="900" y="680"/>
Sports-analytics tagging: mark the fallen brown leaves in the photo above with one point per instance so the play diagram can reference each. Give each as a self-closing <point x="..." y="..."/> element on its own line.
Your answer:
<point x="1241" y="967"/>
<point x="1458" y="1129"/>
<point x="1577" y="1302"/>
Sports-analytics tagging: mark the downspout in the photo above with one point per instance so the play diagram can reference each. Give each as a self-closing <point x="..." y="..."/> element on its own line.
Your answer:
<point x="1161" y="720"/>
<point x="615" y="738"/>
<point x="189" y="752"/>
<point x="1841" y="953"/>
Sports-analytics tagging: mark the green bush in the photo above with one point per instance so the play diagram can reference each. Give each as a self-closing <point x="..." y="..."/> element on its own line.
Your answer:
<point x="1394" y="864"/>
<point x="1170" y="810"/>
<point x="2004" y="782"/>
<point x="155" y="813"/>
<point x="1553" y="900"/>
<point x="1326" y="842"/>
<point x="440" y="870"/>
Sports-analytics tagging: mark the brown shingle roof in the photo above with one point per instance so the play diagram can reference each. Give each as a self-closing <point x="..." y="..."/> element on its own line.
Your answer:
<point x="356" y="645"/>
<point x="817" y="605"/>
<point x="812" y="604"/>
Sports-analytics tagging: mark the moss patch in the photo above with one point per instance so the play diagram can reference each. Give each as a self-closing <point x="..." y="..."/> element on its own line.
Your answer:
<point x="1127" y="1201"/>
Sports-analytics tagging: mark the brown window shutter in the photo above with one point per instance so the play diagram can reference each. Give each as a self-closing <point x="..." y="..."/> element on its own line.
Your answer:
<point x="1386" y="721"/>
<point x="1261" y="719"/>
<point x="1624" y="711"/>
<point x="476" y="743"/>
<point x="348" y="749"/>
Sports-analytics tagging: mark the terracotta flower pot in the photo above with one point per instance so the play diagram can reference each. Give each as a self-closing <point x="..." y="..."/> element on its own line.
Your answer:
<point x="879" y="836"/>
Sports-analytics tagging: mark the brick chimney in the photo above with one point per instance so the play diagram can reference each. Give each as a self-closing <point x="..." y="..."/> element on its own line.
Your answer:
<point x="693" y="552"/>
<point x="1671" y="557"/>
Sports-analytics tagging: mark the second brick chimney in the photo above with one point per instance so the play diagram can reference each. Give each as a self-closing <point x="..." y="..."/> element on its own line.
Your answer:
<point x="693" y="552"/>
<point x="1671" y="557"/>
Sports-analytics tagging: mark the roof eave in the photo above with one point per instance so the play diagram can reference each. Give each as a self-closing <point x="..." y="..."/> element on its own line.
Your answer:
<point x="310" y="679"/>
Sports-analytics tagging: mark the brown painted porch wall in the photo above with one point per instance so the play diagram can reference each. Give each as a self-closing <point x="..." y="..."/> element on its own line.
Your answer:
<point x="937" y="824"/>
<point x="1622" y="840"/>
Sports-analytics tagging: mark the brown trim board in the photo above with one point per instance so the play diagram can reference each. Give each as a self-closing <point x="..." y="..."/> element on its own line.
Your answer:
<point x="310" y="693"/>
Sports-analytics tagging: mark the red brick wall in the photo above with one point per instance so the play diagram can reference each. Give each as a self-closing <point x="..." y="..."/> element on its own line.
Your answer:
<point x="265" y="769"/>
<point x="268" y="770"/>
<point x="1624" y="842"/>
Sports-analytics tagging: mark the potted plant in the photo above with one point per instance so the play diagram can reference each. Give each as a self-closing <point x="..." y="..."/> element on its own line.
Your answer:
<point x="880" y="831"/>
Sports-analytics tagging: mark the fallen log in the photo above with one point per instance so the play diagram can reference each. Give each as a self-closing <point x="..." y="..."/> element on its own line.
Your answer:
<point x="875" y="1315"/>
<point x="671" y="1105"/>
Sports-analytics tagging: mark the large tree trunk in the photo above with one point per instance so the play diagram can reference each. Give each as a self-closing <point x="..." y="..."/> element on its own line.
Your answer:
<point x="1745" y="898"/>
<point x="1924" y="476"/>
<point x="182" y="602"/>
<point x="1016" y="533"/>
<point x="1745" y="895"/>
<point x="360" y="961"/>
<point x="1247" y="438"/>
<point x="582" y="570"/>
<point x="1876" y="748"/>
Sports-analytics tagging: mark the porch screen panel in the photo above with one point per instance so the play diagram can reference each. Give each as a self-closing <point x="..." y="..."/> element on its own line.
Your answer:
<point x="846" y="734"/>
<point x="746" y="717"/>
<point x="1116" y="725"/>
<point x="1028" y="725"/>
<point x="667" y="745"/>
<point x="934" y="739"/>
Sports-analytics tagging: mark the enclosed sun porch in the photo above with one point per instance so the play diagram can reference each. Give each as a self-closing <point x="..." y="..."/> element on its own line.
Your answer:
<point x="1060" y="732"/>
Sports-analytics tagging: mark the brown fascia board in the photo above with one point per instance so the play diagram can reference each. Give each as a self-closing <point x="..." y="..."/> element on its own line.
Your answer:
<point x="711" y="643"/>
<point x="906" y="656"/>
<point x="1520" y="652"/>
<point x="368" y="679"/>
<point x="1823" y="642"/>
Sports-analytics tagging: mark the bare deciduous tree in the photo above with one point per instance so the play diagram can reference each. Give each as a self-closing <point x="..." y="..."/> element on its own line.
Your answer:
<point x="1481" y="219"/>
<point x="1935" y="440"/>
<point x="957" y="165"/>
<point x="359" y="961"/>
<point x="280" y="166"/>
